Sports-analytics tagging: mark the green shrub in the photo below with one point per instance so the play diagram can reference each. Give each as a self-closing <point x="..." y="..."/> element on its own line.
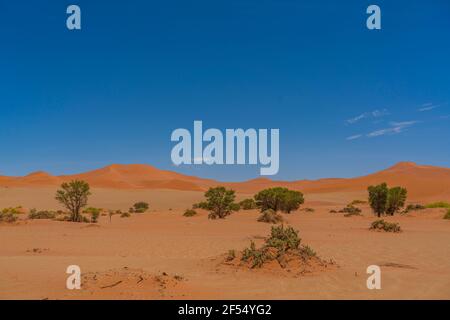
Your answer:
<point x="8" y="217"/>
<point x="74" y="196"/>
<point x="439" y="204"/>
<point x="219" y="202"/>
<point x="308" y="210"/>
<point x="279" y="199"/>
<point x="395" y="200"/>
<point x="94" y="212"/>
<point x="283" y="238"/>
<point x="235" y="207"/>
<point x="282" y="241"/>
<point x="12" y="210"/>
<point x="385" y="226"/>
<point x="270" y="216"/>
<point x="309" y="252"/>
<point x="190" y="213"/>
<point x="34" y="214"/>
<point x="447" y="215"/>
<point x="413" y="207"/>
<point x="386" y="200"/>
<point x="357" y="202"/>
<point x="248" y="204"/>
<point x="256" y="256"/>
<point x="350" y="210"/>
<point x="139" y="207"/>
<point x="125" y="214"/>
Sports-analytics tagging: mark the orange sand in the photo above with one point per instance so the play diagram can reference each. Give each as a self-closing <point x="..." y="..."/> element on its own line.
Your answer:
<point x="163" y="255"/>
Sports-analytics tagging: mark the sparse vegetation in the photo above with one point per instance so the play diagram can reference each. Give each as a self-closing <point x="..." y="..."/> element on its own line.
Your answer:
<point x="283" y="242"/>
<point x="382" y="225"/>
<point x="310" y="210"/>
<point x="219" y="202"/>
<point x="270" y="216"/>
<point x="352" y="214"/>
<point x="350" y="210"/>
<point x="139" y="207"/>
<point x="94" y="213"/>
<point x="74" y="196"/>
<point x="190" y="213"/>
<point x="8" y="216"/>
<point x="248" y="204"/>
<point x="439" y="204"/>
<point x="413" y="207"/>
<point x="357" y="202"/>
<point x="13" y="210"/>
<point x="124" y="214"/>
<point x="279" y="199"/>
<point x="44" y="214"/>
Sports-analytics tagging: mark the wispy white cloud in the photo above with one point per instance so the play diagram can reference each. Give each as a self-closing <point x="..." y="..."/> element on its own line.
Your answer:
<point x="427" y="107"/>
<point x="354" y="137"/>
<point x="396" y="127"/>
<point x="368" y="115"/>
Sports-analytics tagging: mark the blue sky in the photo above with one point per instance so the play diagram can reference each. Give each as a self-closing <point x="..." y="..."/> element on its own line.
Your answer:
<point x="348" y="101"/>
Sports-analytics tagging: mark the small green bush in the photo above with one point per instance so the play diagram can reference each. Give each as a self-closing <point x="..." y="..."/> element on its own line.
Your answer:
<point x="282" y="242"/>
<point x="125" y="215"/>
<point x="94" y="212"/>
<point x="357" y="202"/>
<point x="413" y="207"/>
<point x="256" y="256"/>
<point x="139" y="207"/>
<point x="385" y="226"/>
<point x="351" y="210"/>
<point x="12" y="210"/>
<point x="8" y="217"/>
<point x="248" y="204"/>
<point x="34" y="214"/>
<point x="309" y="252"/>
<point x="283" y="238"/>
<point x="190" y="213"/>
<point x="270" y="216"/>
<point x="439" y="204"/>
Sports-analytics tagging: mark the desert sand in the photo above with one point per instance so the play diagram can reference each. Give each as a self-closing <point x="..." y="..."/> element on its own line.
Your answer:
<point x="161" y="254"/>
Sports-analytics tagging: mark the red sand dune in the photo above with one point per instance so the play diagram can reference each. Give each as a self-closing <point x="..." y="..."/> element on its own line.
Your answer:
<point x="421" y="181"/>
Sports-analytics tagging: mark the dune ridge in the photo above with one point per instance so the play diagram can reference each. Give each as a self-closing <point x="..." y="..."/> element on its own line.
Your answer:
<point x="422" y="181"/>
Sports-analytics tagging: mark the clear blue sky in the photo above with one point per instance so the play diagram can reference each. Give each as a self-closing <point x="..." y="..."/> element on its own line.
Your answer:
<point x="348" y="101"/>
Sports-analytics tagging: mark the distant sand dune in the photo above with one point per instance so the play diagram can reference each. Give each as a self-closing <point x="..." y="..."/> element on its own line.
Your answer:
<point x="422" y="182"/>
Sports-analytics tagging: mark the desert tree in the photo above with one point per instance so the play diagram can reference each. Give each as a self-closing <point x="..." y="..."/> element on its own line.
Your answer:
<point x="395" y="200"/>
<point x="220" y="202"/>
<point x="378" y="197"/>
<point x="279" y="199"/>
<point x="74" y="196"/>
<point x="291" y="201"/>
